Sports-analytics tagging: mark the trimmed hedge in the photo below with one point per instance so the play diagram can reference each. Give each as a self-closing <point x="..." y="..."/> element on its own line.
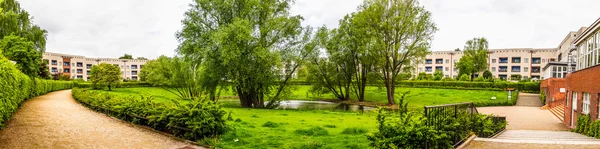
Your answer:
<point x="119" y="85"/>
<point x="532" y="87"/>
<point x="193" y="120"/>
<point x="16" y="87"/>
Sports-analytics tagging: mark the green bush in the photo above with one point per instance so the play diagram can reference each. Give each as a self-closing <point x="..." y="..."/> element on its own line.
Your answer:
<point x="119" y="85"/>
<point x="16" y="87"/>
<point x="201" y="118"/>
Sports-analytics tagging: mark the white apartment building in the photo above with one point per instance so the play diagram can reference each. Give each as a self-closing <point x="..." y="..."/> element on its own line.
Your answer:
<point x="79" y="67"/>
<point x="503" y="63"/>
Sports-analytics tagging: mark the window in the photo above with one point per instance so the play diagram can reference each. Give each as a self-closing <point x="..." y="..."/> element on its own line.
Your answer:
<point x="493" y="69"/>
<point x="53" y="62"/>
<point x="134" y="78"/>
<point x="447" y="68"/>
<point x="88" y="72"/>
<point x="516" y="60"/>
<point x="67" y="71"/>
<point x="585" y="109"/>
<point x="134" y="73"/>
<point x="428" y="69"/>
<point x="493" y="60"/>
<point x="439" y="61"/>
<point x="67" y="64"/>
<point x="526" y="60"/>
<point x="428" y="61"/>
<point x="525" y="69"/>
<point x="440" y="68"/>
<point x="79" y="71"/>
<point x="88" y="66"/>
<point x="53" y="69"/>
<point x="447" y="61"/>
<point x="574" y="99"/>
<point x="133" y="66"/>
<point x="516" y="69"/>
<point x="79" y="64"/>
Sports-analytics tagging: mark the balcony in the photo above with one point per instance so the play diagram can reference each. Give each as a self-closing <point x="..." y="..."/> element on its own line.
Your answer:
<point x="502" y="70"/>
<point x="515" y="69"/>
<point x="536" y="60"/>
<point x="503" y="60"/>
<point x="439" y="61"/>
<point x="428" y="61"/>
<point x="439" y="68"/>
<point x="428" y="69"/>
<point x="516" y="60"/>
<point x="88" y="66"/>
<point x="133" y="66"/>
<point x="535" y="69"/>
<point x="79" y="64"/>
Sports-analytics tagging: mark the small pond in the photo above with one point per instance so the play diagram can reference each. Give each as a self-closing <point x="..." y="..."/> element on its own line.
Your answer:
<point x="312" y="105"/>
<point x="321" y="105"/>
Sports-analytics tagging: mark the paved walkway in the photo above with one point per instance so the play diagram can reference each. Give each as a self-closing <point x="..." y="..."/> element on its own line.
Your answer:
<point x="55" y="120"/>
<point x="531" y="127"/>
<point x="529" y="100"/>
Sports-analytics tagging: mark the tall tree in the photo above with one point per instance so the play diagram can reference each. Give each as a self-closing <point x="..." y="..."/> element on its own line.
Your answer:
<point x="243" y="41"/>
<point x="401" y="31"/>
<point x="25" y="41"/>
<point x="476" y="51"/>
<point x="105" y="75"/>
<point x="126" y="56"/>
<point x="141" y="58"/>
<point x="175" y="75"/>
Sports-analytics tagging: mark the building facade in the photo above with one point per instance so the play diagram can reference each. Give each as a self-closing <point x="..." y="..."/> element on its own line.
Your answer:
<point x="583" y="84"/>
<point x="503" y="63"/>
<point x="79" y="67"/>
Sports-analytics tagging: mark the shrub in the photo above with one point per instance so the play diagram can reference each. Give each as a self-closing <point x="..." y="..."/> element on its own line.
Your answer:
<point x="16" y="87"/>
<point x="201" y="118"/>
<point x="313" y="131"/>
<point x="465" y="77"/>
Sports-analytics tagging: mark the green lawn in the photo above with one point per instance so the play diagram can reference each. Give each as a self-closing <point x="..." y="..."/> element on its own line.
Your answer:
<point x="263" y="128"/>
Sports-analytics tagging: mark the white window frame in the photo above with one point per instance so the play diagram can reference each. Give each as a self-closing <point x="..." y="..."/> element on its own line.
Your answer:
<point x="585" y="109"/>
<point x="574" y="100"/>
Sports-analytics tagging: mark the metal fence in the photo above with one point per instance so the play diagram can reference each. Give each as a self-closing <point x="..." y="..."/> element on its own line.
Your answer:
<point x="438" y="116"/>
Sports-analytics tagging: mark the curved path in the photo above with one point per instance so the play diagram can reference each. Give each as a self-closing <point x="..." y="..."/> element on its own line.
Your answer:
<point x="56" y="120"/>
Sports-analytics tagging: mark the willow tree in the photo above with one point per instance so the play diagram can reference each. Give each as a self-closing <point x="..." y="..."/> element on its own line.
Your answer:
<point x="348" y="62"/>
<point x="15" y="23"/>
<point x="244" y="43"/>
<point x="401" y="31"/>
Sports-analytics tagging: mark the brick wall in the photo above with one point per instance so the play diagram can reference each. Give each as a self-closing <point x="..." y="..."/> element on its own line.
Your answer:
<point x="552" y="87"/>
<point x="583" y="81"/>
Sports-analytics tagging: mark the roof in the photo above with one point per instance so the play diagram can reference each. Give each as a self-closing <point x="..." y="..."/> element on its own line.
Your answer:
<point x="587" y="31"/>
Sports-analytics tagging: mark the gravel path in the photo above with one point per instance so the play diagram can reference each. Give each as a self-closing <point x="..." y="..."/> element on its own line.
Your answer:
<point x="55" y="120"/>
<point x="529" y="100"/>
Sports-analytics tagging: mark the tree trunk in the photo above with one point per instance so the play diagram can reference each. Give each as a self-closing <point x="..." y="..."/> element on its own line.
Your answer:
<point x="390" y="91"/>
<point x="109" y="87"/>
<point x="362" y="86"/>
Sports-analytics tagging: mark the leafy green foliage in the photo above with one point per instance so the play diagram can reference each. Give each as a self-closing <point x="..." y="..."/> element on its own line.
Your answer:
<point x="105" y="75"/>
<point x="16" y="87"/>
<point x="201" y="118"/>
<point x="175" y="75"/>
<point x="243" y="41"/>
<point x="515" y="77"/>
<point x="396" y="40"/>
<point x="126" y="56"/>
<point x="487" y="75"/>
<point x="465" y="77"/>
<point x="23" y="52"/>
<point x="438" y="75"/>
<point x="424" y="76"/>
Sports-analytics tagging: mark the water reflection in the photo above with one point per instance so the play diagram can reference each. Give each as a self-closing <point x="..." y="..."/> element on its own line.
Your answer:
<point x="321" y="105"/>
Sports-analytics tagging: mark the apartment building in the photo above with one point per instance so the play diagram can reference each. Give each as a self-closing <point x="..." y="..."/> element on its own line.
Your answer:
<point x="503" y="63"/>
<point x="79" y="67"/>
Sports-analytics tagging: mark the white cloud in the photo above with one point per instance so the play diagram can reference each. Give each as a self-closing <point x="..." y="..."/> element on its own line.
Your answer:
<point x="111" y="28"/>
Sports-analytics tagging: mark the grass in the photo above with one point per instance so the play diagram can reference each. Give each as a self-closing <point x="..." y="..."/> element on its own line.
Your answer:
<point x="264" y="128"/>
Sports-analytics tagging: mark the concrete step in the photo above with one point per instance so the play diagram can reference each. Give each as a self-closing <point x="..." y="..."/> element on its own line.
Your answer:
<point x="542" y="137"/>
<point x="558" y="111"/>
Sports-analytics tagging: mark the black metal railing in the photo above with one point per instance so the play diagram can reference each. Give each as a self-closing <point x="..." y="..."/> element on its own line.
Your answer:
<point x="438" y="116"/>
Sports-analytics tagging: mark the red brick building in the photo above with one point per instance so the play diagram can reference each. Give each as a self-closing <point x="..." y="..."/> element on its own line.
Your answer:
<point x="583" y="85"/>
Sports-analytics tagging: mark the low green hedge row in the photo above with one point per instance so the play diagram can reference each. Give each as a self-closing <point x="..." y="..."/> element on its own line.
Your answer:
<point x="193" y="120"/>
<point x="529" y="87"/>
<point x="16" y="87"/>
<point x="119" y="85"/>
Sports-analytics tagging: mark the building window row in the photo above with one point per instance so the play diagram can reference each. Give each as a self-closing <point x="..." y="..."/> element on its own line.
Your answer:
<point x="588" y="52"/>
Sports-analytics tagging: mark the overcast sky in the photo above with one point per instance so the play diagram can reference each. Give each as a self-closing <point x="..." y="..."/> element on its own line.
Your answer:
<point x="111" y="28"/>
